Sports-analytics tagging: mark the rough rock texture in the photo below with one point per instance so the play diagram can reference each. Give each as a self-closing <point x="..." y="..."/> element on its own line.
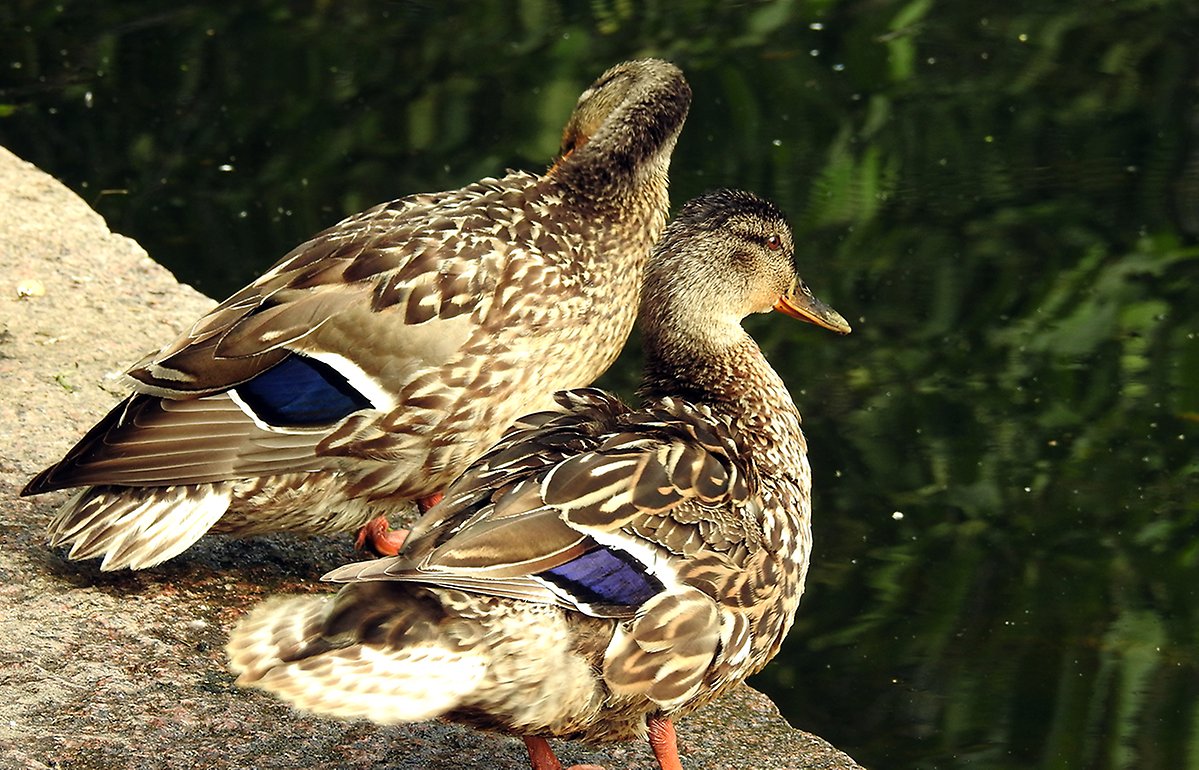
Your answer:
<point x="127" y="670"/>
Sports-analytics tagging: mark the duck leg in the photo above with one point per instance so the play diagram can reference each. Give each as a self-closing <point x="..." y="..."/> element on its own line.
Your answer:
<point x="377" y="536"/>
<point x="662" y="739"/>
<point x="541" y="756"/>
<point x="664" y="742"/>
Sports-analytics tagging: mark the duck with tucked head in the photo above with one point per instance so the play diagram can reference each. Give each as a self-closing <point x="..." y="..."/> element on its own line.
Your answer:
<point x="375" y="361"/>
<point x="603" y="569"/>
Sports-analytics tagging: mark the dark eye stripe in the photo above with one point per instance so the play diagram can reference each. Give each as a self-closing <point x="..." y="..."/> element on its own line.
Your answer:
<point x="756" y="238"/>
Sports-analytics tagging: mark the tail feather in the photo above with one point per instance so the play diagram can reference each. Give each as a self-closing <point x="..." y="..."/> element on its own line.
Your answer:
<point x="137" y="527"/>
<point x="385" y="685"/>
<point x="277" y="631"/>
<point x="280" y="647"/>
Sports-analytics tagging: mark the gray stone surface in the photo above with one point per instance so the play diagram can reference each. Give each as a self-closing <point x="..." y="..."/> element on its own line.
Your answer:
<point x="127" y="670"/>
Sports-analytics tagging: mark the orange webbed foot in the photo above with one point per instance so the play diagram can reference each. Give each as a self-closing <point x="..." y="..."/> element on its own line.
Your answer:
<point x="425" y="503"/>
<point x="379" y="538"/>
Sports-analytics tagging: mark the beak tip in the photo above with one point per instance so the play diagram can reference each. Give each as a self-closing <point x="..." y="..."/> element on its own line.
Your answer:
<point x="814" y="312"/>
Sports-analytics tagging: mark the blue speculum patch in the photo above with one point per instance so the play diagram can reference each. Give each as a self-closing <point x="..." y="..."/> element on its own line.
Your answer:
<point x="300" y="392"/>
<point x="605" y="576"/>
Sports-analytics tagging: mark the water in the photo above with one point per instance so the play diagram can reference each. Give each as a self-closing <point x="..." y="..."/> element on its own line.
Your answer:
<point x="1003" y="201"/>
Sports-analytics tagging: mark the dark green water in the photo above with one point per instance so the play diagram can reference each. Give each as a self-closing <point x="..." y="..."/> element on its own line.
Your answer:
<point x="1002" y="198"/>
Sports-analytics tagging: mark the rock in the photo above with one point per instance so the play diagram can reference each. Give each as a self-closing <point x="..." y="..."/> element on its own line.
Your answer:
<point x="125" y="669"/>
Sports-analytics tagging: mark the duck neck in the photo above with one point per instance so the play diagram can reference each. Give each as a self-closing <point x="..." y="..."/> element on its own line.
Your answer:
<point x="629" y="155"/>
<point x="723" y="368"/>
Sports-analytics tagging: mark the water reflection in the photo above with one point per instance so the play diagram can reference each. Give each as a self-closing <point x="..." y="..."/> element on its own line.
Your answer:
<point x="1003" y="203"/>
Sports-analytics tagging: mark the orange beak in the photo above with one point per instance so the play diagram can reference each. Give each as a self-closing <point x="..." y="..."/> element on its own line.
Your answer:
<point x="799" y="303"/>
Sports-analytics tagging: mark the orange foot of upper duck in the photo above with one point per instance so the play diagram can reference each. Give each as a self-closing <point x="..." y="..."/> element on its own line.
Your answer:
<point x="425" y="503"/>
<point x="379" y="538"/>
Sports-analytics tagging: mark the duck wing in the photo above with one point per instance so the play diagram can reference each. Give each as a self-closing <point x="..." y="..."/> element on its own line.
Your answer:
<point x="339" y="326"/>
<point x="424" y="260"/>
<point x="604" y="511"/>
<point x="594" y="509"/>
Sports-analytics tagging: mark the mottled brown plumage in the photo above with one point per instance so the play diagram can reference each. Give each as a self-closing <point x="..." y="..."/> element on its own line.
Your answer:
<point x="603" y="568"/>
<point x="375" y="361"/>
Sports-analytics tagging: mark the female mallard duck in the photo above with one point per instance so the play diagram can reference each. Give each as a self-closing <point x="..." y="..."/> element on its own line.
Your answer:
<point x="602" y="569"/>
<point x="375" y="361"/>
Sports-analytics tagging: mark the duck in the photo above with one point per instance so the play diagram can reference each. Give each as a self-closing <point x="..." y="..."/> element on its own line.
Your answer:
<point x="366" y="369"/>
<point x="604" y="569"/>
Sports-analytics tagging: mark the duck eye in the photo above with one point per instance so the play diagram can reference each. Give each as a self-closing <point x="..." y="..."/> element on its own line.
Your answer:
<point x="774" y="243"/>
